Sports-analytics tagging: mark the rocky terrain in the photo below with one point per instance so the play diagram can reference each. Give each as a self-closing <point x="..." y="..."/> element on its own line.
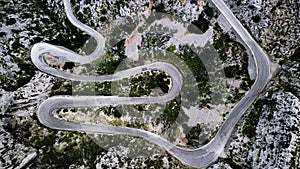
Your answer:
<point x="267" y="137"/>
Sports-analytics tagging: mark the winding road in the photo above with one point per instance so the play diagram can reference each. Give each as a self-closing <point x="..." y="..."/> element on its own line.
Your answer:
<point x="199" y="157"/>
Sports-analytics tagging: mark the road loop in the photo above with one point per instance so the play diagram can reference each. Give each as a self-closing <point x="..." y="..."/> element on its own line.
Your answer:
<point x="199" y="157"/>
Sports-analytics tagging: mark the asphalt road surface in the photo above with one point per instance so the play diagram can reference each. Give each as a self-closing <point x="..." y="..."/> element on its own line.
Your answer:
<point x="199" y="157"/>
